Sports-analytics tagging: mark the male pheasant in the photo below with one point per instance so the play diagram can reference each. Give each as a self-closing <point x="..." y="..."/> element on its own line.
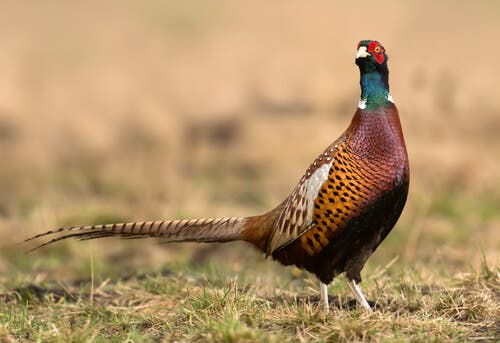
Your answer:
<point x="343" y="207"/>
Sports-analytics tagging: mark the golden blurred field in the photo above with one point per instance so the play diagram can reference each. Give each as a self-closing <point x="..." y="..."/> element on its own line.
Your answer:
<point x="162" y="109"/>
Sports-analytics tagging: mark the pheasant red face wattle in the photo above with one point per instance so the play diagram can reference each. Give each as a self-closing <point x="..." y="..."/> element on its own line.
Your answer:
<point x="377" y="51"/>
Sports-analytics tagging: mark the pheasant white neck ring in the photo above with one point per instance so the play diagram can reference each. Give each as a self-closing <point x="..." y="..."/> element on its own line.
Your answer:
<point x="363" y="101"/>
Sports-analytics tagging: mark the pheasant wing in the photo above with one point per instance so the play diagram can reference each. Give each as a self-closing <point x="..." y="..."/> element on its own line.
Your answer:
<point x="296" y="217"/>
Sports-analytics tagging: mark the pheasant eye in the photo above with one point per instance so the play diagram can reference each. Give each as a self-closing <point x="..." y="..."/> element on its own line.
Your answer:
<point x="377" y="49"/>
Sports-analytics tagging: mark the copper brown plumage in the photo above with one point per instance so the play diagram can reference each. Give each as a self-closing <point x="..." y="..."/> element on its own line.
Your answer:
<point x="343" y="207"/>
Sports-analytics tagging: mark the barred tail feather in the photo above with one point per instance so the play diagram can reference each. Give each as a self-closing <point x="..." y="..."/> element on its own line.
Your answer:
<point x="187" y="230"/>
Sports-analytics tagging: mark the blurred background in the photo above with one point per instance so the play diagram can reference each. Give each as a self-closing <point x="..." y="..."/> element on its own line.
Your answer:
<point x="123" y="111"/>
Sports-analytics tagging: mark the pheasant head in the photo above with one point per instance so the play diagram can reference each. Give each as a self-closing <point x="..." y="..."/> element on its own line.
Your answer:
<point x="372" y="62"/>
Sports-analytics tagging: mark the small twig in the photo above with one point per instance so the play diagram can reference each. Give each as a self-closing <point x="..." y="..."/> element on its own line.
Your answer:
<point x="91" y="274"/>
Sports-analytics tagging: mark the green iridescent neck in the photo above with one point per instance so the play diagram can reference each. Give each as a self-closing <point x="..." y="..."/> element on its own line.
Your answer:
<point x="374" y="90"/>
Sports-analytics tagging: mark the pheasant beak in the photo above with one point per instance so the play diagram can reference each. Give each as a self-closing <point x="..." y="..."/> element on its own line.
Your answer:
<point x="362" y="52"/>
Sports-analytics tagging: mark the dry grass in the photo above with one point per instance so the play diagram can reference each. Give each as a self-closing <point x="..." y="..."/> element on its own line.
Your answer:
<point x="159" y="110"/>
<point x="213" y="304"/>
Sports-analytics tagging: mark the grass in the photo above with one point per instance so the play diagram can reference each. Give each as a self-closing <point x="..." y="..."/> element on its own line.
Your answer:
<point x="430" y="280"/>
<point x="212" y="303"/>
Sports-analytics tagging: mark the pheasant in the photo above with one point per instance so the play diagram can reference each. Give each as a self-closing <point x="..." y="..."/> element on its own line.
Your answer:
<point x="343" y="207"/>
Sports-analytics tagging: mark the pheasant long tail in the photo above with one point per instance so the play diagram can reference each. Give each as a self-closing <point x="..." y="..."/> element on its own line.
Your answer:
<point x="189" y="230"/>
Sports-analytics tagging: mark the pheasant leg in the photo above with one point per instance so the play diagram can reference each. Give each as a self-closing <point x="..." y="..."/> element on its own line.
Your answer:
<point x="359" y="295"/>
<point x="324" y="297"/>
